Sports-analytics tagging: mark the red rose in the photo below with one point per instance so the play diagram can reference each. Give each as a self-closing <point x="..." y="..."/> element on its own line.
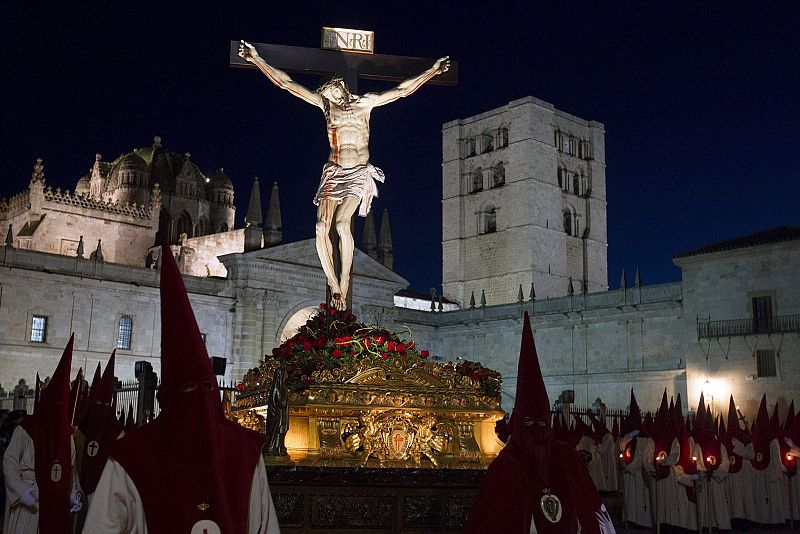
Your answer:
<point x="384" y="355"/>
<point x="337" y="353"/>
<point x="239" y="386"/>
<point x="307" y="346"/>
<point x="323" y="306"/>
<point x="401" y="347"/>
<point x="319" y="343"/>
<point x="379" y="340"/>
<point x="410" y="345"/>
<point x="332" y="311"/>
<point x="424" y="353"/>
<point x="390" y="346"/>
<point x="403" y="355"/>
<point x="276" y="351"/>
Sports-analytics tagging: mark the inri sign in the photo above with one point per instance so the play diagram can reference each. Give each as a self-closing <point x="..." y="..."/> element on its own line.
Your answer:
<point x="348" y="40"/>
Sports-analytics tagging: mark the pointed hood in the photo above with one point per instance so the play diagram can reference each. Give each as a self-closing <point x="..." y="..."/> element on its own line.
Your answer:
<point x="37" y="392"/>
<point x="761" y="436"/>
<point x="647" y="425"/>
<point x="130" y="422"/>
<point x="634" y="421"/>
<point x="788" y="423"/>
<point x="50" y="430"/>
<point x="531" y="401"/>
<point x="190" y="454"/>
<point x="615" y="429"/>
<point x="101" y="427"/>
<point x="183" y="354"/>
<point x="775" y="423"/>
<point x="699" y="426"/>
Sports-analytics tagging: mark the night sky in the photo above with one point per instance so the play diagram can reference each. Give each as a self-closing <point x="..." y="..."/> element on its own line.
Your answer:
<point x="701" y="105"/>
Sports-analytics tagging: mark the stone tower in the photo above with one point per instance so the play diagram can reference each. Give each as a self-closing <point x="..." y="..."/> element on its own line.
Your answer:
<point x="524" y="201"/>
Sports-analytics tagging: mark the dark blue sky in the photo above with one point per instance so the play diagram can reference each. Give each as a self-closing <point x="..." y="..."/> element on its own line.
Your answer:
<point x="701" y="105"/>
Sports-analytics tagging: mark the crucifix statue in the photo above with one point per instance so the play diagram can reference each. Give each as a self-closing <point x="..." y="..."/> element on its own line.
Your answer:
<point x="348" y="178"/>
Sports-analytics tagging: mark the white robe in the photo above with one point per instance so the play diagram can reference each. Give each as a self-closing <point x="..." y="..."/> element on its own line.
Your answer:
<point x="636" y="494"/>
<point x="608" y="459"/>
<point x="18" y="468"/>
<point x="770" y="490"/>
<point x="117" y="506"/>
<point x="712" y="497"/>
<point x="595" y="466"/>
<point x="666" y="489"/>
<point x="740" y="484"/>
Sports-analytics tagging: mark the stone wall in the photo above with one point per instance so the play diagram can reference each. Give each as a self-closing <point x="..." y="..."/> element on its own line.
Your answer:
<point x="720" y="286"/>
<point x="498" y="234"/>
<point x="202" y="252"/>
<point x="88" y="298"/>
<point x="599" y="344"/>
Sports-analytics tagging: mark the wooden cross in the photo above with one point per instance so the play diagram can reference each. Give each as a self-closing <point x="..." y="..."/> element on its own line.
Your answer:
<point x="350" y="66"/>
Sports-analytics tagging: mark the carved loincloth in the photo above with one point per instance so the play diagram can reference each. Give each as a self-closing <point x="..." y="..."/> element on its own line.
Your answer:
<point x="337" y="183"/>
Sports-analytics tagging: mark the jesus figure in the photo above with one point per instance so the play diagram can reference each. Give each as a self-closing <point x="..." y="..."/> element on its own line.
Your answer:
<point x="348" y="178"/>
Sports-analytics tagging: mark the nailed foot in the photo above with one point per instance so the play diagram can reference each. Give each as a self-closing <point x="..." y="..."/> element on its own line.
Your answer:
<point x="338" y="302"/>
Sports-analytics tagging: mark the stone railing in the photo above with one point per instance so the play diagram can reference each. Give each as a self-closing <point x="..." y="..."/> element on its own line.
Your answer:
<point x="80" y="201"/>
<point x="618" y="299"/>
<point x="782" y="324"/>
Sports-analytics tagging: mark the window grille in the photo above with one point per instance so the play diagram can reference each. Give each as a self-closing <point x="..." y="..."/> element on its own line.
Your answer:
<point x="765" y="362"/>
<point x="124" y="332"/>
<point x="39" y="329"/>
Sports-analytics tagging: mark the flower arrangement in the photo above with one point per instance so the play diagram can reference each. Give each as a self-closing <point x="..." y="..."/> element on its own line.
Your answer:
<point x="332" y="338"/>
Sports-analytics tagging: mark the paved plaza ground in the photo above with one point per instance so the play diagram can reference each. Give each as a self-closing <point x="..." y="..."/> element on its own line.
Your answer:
<point x="614" y="505"/>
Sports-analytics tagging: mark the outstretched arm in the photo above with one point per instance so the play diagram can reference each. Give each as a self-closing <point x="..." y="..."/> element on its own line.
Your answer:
<point x="249" y="53"/>
<point x="412" y="84"/>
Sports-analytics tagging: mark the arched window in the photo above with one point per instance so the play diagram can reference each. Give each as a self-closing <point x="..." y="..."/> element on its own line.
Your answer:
<point x="488" y="220"/>
<point x="568" y="222"/>
<point x="487" y="142"/>
<point x="561" y="178"/>
<point x="503" y="137"/>
<point x="477" y="180"/>
<point x="576" y="184"/>
<point x="202" y="227"/>
<point x="163" y="226"/>
<point x="124" y="332"/>
<point x="183" y="225"/>
<point x="491" y="221"/>
<point x="499" y="175"/>
<point x="223" y="227"/>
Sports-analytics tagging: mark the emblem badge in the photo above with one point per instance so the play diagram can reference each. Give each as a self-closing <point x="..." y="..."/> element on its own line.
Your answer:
<point x="759" y="457"/>
<point x="733" y="460"/>
<point x="203" y="506"/>
<point x="55" y="472"/>
<point x="91" y="449"/>
<point x="205" y="526"/>
<point x="551" y="506"/>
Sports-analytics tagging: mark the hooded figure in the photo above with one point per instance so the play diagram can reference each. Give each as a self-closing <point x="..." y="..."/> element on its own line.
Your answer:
<point x="100" y="428"/>
<point x="190" y="469"/>
<point x="769" y="481"/>
<point x="536" y="483"/>
<point x="38" y="461"/>
<point x="740" y="473"/>
<point x="713" y="463"/>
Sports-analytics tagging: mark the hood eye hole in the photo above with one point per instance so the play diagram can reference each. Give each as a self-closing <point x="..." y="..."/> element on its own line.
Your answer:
<point x="208" y="385"/>
<point x="188" y="386"/>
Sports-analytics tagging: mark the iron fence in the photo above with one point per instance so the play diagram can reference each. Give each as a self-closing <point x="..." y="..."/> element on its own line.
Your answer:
<point x="781" y="324"/>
